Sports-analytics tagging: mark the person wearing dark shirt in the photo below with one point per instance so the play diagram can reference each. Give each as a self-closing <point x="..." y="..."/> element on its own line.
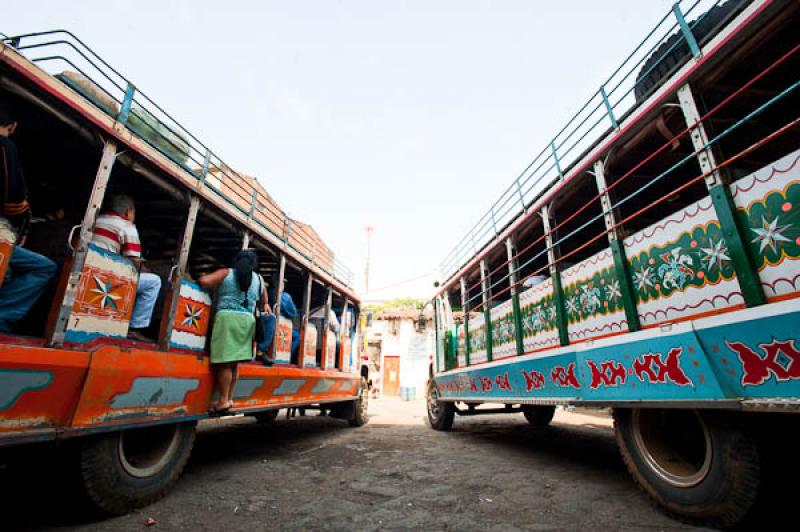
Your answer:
<point x="28" y="273"/>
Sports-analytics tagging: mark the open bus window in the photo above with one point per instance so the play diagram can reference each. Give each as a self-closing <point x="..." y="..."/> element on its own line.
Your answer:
<point x="644" y="191"/>
<point x="772" y="41"/>
<point x="160" y="220"/>
<point x="59" y="160"/>
<point x="579" y="231"/>
<point x="316" y="317"/>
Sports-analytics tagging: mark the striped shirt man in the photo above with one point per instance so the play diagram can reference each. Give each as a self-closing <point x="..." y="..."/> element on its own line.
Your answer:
<point x="116" y="234"/>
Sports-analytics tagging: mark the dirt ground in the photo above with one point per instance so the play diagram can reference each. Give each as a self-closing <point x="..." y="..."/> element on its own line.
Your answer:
<point x="316" y="473"/>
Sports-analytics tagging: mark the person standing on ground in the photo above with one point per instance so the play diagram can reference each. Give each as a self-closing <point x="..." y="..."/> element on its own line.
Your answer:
<point x="239" y="290"/>
<point x="28" y="273"/>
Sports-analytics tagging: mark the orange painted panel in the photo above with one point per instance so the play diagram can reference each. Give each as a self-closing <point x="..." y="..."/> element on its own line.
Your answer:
<point x="39" y="387"/>
<point x="126" y="386"/>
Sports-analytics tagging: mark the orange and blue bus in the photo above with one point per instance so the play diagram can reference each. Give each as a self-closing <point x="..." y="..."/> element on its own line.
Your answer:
<point x="70" y="373"/>
<point x="648" y="260"/>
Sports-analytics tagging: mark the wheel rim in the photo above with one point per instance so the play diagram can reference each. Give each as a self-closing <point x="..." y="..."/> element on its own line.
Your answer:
<point x="675" y="444"/>
<point x="434" y="407"/>
<point x="145" y="452"/>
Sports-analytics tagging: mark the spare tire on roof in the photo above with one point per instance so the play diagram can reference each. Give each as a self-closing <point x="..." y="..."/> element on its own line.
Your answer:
<point x="674" y="52"/>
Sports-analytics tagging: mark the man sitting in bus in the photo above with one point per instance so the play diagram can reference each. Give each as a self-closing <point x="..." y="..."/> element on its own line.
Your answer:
<point x="28" y="273"/>
<point x="115" y="231"/>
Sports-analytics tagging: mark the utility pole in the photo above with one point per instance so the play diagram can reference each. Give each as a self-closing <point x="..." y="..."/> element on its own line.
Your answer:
<point x="369" y="229"/>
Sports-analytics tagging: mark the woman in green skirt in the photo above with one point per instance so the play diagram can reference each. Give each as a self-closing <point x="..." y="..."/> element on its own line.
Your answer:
<point x="238" y="291"/>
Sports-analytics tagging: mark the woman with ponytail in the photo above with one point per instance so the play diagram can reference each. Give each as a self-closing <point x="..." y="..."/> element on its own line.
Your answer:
<point x="238" y="291"/>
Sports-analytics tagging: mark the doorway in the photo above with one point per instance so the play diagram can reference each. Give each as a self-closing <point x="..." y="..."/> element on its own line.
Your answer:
<point x="391" y="375"/>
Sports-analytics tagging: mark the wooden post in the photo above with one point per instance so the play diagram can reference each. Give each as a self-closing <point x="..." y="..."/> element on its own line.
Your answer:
<point x="280" y="272"/>
<point x="304" y="317"/>
<point x="342" y="320"/>
<point x="743" y="265"/>
<point x="65" y="297"/>
<point x="325" y="328"/>
<point x="177" y="272"/>
<point x="621" y="267"/>
<point x="486" y="295"/>
<point x="513" y="279"/>
<point x="558" y="292"/>
<point x="465" y="308"/>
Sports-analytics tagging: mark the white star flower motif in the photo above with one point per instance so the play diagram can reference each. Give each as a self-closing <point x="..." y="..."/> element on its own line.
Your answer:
<point x="613" y="291"/>
<point x="769" y="234"/>
<point x="716" y="254"/>
<point x="573" y="303"/>
<point x="104" y="290"/>
<point x="643" y="278"/>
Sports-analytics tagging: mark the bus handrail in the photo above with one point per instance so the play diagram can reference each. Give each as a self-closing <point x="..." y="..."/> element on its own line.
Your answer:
<point x="609" y="104"/>
<point x="195" y="156"/>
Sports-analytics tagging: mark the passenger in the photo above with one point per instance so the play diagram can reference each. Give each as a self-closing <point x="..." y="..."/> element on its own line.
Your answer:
<point x="239" y="290"/>
<point x="28" y="273"/>
<point x="534" y="280"/>
<point x="317" y="317"/>
<point x="288" y="310"/>
<point x="115" y="231"/>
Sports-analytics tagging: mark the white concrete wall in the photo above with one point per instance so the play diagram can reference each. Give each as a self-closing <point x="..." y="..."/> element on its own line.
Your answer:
<point x="414" y="350"/>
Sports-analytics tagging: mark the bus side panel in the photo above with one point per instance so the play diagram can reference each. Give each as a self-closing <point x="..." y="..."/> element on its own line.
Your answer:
<point x="768" y="208"/>
<point x="128" y="386"/>
<point x="550" y="377"/>
<point x="593" y="298"/>
<point x="759" y="357"/>
<point x="261" y="386"/>
<point x="667" y="365"/>
<point x="39" y="387"/>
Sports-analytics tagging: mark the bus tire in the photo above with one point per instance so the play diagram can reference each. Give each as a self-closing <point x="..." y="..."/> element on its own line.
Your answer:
<point x="125" y="470"/>
<point x="440" y="414"/>
<point x="698" y="467"/>
<point x="539" y="415"/>
<point x="266" y="417"/>
<point x="360" y="406"/>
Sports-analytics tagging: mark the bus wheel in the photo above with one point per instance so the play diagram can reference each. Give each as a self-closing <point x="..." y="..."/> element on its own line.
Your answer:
<point x="125" y="470"/>
<point x="440" y="414"/>
<point x="539" y="415"/>
<point x="360" y="406"/>
<point x="698" y="467"/>
<point x="267" y="417"/>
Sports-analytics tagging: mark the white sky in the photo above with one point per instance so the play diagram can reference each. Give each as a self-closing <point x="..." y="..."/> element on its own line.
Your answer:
<point x="409" y="116"/>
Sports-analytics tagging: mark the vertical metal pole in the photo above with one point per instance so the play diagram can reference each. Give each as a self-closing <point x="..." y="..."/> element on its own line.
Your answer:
<point x="743" y="265"/>
<point x="246" y="240"/>
<point x="621" y="266"/>
<point x="555" y="158"/>
<point x="465" y="307"/>
<point x="281" y="271"/>
<point x="486" y="296"/>
<point x="253" y="200"/>
<point x="437" y="324"/>
<point x="127" y="102"/>
<point x="521" y="197"/>
<point x="206" y="164"/>
<point x="171" y="306"/>
<point x="686" y="30"/>
<point x="609" y="109"/>
<point x="57" y="327"/>
<point x="558" y="292"/>
<point x="513" y="279"/>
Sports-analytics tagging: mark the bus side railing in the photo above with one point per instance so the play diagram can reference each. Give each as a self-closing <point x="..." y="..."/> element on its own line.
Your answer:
<point x="614" y="99"/>
<point x="122" y="100"/>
